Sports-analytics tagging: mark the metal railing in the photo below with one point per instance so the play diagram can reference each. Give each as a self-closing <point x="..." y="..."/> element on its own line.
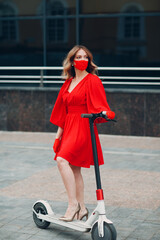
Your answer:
<point x="42" y="76"/>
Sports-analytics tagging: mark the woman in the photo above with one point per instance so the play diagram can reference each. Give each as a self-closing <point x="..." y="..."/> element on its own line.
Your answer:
<point x="82" y="92"/>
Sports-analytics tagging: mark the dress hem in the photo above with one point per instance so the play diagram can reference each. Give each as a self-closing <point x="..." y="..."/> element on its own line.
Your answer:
<point x="55" y="158"/>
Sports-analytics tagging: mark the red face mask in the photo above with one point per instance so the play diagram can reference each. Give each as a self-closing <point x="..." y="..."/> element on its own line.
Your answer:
<point x="81" y="64"/>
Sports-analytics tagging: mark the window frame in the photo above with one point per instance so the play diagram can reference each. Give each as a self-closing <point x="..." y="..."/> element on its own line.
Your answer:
<point x="6" y="20"/>
<point x="55" y="19"/>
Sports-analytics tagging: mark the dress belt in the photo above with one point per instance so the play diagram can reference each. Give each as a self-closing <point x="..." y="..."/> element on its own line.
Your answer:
<point x="77" y="109"/>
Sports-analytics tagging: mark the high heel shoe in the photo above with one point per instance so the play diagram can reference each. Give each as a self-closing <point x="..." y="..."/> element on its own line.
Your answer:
<point x="70" y="219"/>
<point x="82" y="214"/>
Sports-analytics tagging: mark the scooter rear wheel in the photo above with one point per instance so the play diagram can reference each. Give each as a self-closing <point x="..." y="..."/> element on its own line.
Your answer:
<point x="40" y="208"/>
<point x="95" y="233"/>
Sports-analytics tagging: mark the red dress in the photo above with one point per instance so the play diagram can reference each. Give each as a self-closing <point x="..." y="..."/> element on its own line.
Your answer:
<point x="87" y="97"/>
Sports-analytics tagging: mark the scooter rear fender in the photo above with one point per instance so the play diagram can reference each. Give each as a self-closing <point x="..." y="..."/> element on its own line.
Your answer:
<point x="46" y="204"/>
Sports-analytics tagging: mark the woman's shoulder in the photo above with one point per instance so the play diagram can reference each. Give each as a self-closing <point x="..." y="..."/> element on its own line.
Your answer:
<point x="65" y="85"/>
<point x="93" y="78"/>
<point x="66" y="82"/>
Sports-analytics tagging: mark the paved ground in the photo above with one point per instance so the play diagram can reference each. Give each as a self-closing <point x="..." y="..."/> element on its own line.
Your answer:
<point x="130" y="179"/>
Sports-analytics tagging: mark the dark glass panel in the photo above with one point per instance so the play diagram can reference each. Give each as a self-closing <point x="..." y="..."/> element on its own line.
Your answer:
<point x="64" y="39"/>
<point x="21" y="43"/>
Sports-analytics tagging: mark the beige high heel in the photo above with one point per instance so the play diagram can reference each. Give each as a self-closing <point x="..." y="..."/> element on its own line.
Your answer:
<point x="83" y="214"/>
<point x="70" y="219"/>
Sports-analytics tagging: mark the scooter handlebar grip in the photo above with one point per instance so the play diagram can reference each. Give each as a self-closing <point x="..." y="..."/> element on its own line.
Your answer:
<point x="86" y="115"/>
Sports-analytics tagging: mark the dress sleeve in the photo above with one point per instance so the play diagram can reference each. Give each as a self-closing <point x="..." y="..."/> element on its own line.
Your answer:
<point x="96" y="97"/>
<point x="59" y="110"/>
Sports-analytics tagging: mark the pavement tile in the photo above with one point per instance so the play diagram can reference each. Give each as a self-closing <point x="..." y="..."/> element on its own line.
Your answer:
<point x="130" y="179"/>
<point x="145" y="231"/>
<point x="156" y="236"/>
<point x="24" y="237"/>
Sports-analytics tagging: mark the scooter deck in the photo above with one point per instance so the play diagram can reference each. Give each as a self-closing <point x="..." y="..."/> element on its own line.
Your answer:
<point x="75" y="224"/>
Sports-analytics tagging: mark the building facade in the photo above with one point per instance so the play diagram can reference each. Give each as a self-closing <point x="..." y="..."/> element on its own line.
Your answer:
<point x="40" y="32"/>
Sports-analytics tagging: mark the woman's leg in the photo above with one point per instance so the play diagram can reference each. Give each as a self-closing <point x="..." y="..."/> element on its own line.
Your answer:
<point x="69" y="183"/>
<point x="80" y="192"/>
<point x="79" y="185"/>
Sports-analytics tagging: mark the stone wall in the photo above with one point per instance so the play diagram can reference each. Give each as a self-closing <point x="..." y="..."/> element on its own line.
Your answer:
<point x="29" y="109"/>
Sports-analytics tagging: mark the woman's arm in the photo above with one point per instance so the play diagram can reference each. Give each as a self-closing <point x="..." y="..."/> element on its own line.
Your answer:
<point x="59" y="133"/>
<point x="57" y="141"/>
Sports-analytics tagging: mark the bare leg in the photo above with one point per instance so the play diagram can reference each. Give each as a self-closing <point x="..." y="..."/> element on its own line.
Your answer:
<point x="79" y="185"/>
<point x="80" y="192"/>
<point x="69" y="183"/>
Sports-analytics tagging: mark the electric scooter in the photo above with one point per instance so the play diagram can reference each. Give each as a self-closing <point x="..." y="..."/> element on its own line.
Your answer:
<point x="99" y="225"/>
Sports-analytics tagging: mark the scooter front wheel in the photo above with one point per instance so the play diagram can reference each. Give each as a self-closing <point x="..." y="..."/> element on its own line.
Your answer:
<point x="40" y="208"/>
<point x="113" y="231"/>
<point x="107" y="232"/>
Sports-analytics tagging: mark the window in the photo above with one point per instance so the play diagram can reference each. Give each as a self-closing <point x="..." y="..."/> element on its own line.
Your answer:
<point x="8" y="27"/>
<point x="131" y="27"/>
<point x="132" y="24"/>
<point x="131" y="31"/>
<point x="56" y="27"/>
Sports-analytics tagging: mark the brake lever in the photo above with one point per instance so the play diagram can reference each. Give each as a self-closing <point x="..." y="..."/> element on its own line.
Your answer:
<point x="111" y="120"/>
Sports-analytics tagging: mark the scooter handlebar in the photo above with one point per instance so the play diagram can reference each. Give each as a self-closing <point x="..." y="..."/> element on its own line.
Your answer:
<point x="97" y="115"/>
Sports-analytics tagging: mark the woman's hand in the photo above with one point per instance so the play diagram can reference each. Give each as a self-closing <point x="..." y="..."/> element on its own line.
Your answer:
<point x="57" y="142"/>
<point x="56" y="145"/>
<point x="110" y="114"/>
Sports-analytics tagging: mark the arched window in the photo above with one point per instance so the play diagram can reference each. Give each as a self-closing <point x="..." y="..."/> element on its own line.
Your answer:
<point x="131" y="27"/>
<point x="131" y="30"/>
<point x="56" y="27"/>
<point x="132" y="24"/>
<point x="8" y="27"/>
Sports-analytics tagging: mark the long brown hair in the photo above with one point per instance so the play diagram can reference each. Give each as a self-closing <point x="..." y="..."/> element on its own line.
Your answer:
<point x="68" y="68"/>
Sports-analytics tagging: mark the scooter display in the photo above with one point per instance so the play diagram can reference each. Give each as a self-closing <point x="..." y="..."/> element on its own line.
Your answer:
<point x="99" y="225"/>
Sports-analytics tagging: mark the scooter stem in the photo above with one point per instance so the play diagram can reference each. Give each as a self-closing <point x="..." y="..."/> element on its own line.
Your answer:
<point x="95" y="155"/>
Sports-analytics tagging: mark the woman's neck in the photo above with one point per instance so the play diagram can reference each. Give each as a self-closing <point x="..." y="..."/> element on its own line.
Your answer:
<point x="80" y="75"/>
